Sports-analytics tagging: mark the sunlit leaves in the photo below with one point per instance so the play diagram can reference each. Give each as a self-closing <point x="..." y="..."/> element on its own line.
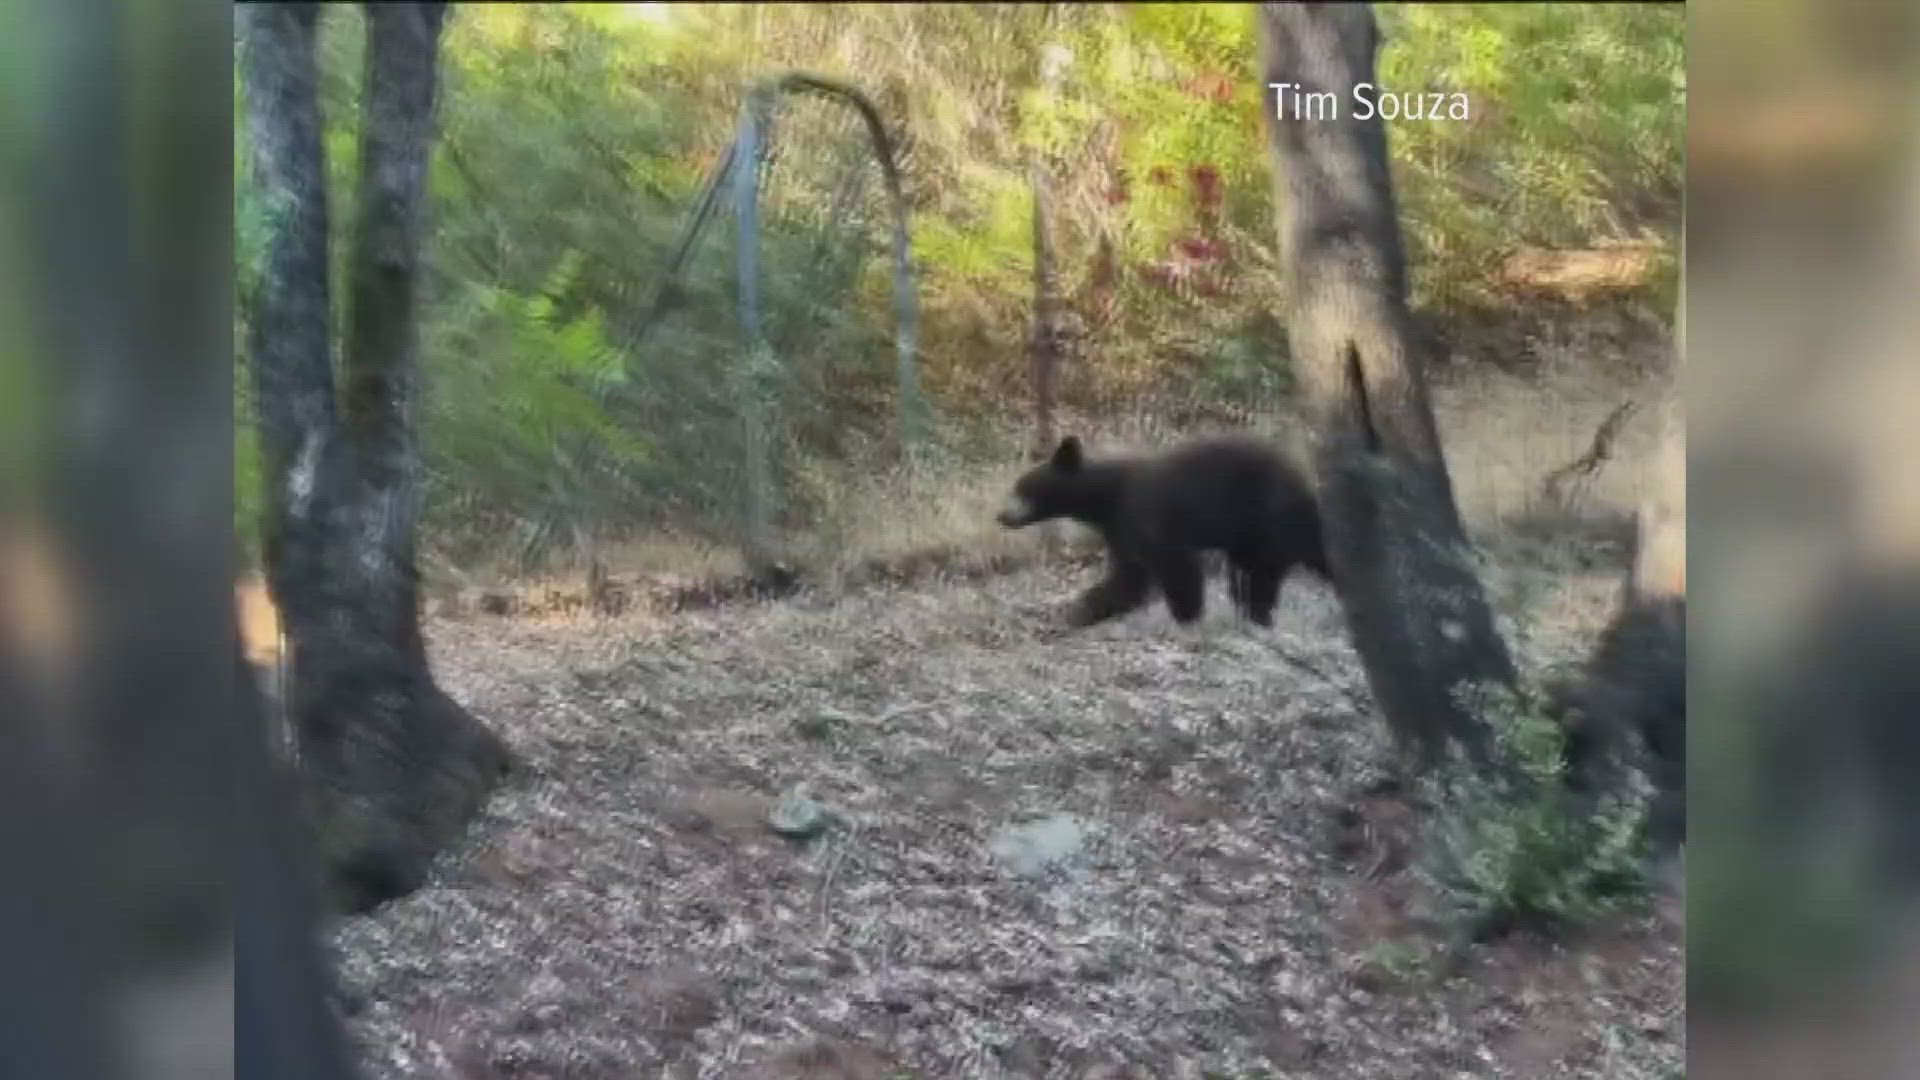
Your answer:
<point x="1576" y="135"/>
<point x="574" y="139"/>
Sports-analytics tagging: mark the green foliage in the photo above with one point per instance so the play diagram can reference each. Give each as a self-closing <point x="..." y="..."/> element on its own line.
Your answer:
<point x="1526" y="850"/>
<point x="575" y="138"/>
<point x="1245" y="362"/>
<point x="1787" y="905"/>
<point x="1401" y="961"/>
<point x="1781" y="912"/>
<point x="1576" y="132"/>
<point x="524" y="414"/>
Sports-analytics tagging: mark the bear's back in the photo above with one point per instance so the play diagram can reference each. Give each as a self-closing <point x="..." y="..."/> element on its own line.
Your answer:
<point x="1210" y="491"/>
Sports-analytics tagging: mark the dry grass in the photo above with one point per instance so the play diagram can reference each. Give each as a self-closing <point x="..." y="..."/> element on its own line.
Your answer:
<point x="1503" y="435"/>
<point x="622" y="910"/>
<point x="684" y="557"/>
<point x="924" y="507"/>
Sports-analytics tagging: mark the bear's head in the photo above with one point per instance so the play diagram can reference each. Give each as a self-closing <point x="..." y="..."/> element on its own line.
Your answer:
<point x="1049" y="490"/>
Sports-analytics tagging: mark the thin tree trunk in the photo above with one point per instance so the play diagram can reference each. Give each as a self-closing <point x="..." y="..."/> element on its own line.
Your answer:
<point x="1399" y="553"/>
<point x="395" y="768"/>
<point x="1660" y="562"/>
<point x="1043" y="347"/>
<point x="1043" y="343"/>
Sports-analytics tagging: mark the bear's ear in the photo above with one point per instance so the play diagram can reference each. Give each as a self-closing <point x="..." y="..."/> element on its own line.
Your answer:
<point x="1066" y="456"/>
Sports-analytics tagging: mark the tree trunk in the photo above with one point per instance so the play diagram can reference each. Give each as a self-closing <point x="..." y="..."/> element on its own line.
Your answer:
<point x="395" y="768"/>
<point x="1043" y="343"/>
<point x="1043" y="347"/>
<point x="1399" y="553"/>
<point x="149" y="926"/>
<point x="282" y="1022"/>
<point x="1630" y="706"/>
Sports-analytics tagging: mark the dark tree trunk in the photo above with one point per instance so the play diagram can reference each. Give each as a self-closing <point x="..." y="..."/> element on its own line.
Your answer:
<point x="1399" y="554"/>
<point x="145" y="877"/>
<point x="395" y="768"/>
<point x="1630" y="706"/>
<point x="283" y="1025"/>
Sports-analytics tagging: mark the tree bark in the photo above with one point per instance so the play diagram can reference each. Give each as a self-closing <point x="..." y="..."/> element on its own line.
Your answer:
<point x="1043" y="347"/>
<point x="1043" y="342"/>
<point x="149" y="929"/>
<point x="283" y="1024"/>
<point x="1399" y="553"/>
<point x="1630" y="706"/>
<point x="395" y="768"/>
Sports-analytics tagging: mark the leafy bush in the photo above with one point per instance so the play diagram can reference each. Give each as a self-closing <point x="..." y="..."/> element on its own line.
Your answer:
<point x="1527" y="850"/>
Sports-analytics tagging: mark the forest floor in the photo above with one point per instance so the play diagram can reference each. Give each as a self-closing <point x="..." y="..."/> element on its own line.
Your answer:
<point x="1227" y="905"/>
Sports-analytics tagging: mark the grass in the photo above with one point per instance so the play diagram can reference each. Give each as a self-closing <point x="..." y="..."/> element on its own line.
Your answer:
<point x="1503" y="433"/>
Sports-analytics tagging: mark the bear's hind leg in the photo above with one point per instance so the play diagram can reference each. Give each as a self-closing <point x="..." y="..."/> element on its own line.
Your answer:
<point x="1256" y="576"/>
<point x="1261" y="593"/>
<point x="1184" y="584"/>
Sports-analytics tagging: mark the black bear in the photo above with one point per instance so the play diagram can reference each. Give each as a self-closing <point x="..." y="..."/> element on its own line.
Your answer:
<point x="1233" y="494"/>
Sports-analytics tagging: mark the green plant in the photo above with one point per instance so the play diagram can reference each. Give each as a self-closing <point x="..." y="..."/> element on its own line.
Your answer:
<point x="1526" y="850"/>
<point x="1400" y="961"/>
<point x="575" y="140"/>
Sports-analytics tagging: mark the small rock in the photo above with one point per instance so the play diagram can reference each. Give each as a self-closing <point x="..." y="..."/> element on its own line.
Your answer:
<point x="817" y="726"/>
<point x="1029" y="850"/>
<point x="1027" y="1057"/>
<point x="797" y="816"/>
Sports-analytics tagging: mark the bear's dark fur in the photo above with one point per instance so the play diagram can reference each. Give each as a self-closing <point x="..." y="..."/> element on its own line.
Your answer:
<point x="1157" y="515"/>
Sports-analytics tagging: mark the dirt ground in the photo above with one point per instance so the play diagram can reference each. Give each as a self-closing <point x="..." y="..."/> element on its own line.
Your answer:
<point x="624" y="910"/>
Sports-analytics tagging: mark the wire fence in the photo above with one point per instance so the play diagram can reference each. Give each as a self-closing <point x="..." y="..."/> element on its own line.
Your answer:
<point x="754" y="346"/>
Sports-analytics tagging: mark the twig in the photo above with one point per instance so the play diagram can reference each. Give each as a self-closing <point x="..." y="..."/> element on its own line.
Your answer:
<point x="1599" y="451"/>
<point x="839" y="856"/>
<point x="1359" y="703"/>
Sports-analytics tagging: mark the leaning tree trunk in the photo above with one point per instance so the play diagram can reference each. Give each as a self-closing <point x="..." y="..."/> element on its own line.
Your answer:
<point x="1398" y="551"/>
<point x="395" y="768"/>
